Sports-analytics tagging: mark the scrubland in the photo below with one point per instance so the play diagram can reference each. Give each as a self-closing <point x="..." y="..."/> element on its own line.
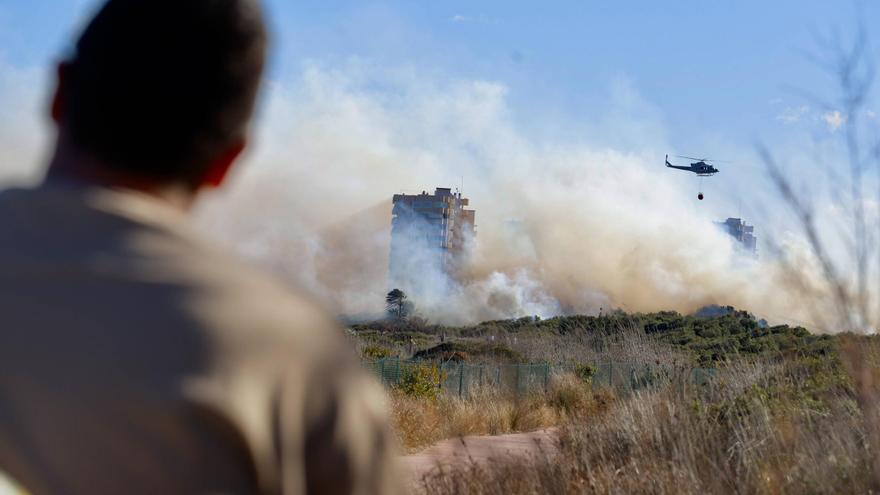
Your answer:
<point x="420" y="422"/>
<point x="784" y="412"/>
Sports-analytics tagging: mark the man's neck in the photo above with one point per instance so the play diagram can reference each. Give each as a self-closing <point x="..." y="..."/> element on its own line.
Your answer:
<point x="80" y="170"/>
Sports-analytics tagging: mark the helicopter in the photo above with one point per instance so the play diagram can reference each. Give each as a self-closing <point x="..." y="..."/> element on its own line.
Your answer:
<point x="701" y="167"/>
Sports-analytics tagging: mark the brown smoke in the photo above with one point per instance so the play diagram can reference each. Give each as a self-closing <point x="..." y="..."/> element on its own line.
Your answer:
<point x="562" y="227"/>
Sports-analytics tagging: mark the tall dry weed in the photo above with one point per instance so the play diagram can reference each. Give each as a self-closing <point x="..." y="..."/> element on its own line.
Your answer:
<point x="420" y="423"/>
<point x="861" y="359"/>
<point x="758" y="428"/>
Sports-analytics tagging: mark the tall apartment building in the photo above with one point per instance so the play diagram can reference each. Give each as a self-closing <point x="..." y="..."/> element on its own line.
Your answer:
<point x="743" y="233"/>
<point x="430" y="235"/>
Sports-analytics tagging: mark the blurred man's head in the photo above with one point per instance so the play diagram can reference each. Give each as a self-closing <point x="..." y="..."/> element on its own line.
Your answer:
<point x="162" y="91"/>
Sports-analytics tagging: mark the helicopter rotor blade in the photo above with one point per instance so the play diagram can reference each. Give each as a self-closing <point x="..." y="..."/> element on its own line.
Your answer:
<point x="707" y="160"/>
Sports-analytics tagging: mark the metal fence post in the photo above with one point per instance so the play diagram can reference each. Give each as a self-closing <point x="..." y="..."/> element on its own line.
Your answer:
<point x="460" y="377"/>
<point x="517" y="379"/>
<point x="440" y="379"/>
<point x="611" y="373"/>
<point x="382" y="369"/>
<point x="546" y="377"/>
<point x="397" y="372"/>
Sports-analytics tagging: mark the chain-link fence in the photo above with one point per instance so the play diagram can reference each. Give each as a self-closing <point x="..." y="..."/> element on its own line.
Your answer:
<point x="461" y="379"/>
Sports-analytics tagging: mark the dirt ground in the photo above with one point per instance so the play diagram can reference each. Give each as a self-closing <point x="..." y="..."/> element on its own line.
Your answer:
<point x="478" y="449"/>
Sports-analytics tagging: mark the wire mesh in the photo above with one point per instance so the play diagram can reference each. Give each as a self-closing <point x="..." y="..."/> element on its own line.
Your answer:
<point x="462" y="379"/>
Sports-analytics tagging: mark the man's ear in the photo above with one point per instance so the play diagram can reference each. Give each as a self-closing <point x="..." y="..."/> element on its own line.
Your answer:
<point x="219" y="168"/>
<point x="59" y="99"/>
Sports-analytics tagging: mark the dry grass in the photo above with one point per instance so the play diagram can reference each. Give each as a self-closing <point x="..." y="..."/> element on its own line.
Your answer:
<point x="420" y="422"/>
<point x="759" y="428"/>
<point x="861" y="359"/>
<point x="808" y="424"/>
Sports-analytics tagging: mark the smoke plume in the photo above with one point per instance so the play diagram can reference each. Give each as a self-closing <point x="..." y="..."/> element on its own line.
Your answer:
<point x="564" y="226"/>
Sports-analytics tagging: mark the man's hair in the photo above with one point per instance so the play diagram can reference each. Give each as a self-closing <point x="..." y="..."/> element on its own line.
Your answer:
<point x="159" y="88"/>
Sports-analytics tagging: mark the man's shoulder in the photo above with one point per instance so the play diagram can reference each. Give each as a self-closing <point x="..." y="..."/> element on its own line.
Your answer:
<point x="126" y="246"/>
<point x="235" y="297"/>
<point x="236" y="293"/>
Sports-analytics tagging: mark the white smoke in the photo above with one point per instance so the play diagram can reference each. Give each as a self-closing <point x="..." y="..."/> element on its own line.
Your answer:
<point x="594" y="226"/>
<point x="564" y="226"/>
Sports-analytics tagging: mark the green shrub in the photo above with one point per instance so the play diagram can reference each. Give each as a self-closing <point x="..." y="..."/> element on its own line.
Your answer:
<point x="708" y="340"/>
<point x="568" y="394"/>
<point x="376" y="352"/>
<point x="585" y="372"/>
<point x="468" y="350"/>
<point x="421" y="380"/>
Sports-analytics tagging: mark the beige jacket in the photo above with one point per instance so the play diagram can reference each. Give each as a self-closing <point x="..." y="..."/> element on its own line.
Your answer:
<point x="135" y="358"/>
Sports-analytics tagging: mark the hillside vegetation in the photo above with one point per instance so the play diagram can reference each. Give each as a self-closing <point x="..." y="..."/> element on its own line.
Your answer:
<point x="706" y="339"/>
<point x="785" y="411"/>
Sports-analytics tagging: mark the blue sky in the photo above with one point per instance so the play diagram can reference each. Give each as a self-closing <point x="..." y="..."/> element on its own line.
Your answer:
<point x="721" y="67"/>
<point x="685" y="77"/>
